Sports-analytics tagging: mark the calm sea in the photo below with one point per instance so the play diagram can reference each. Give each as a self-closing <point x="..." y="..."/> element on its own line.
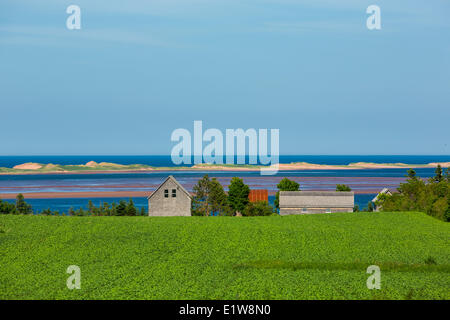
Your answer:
<point x="165" y="160"/>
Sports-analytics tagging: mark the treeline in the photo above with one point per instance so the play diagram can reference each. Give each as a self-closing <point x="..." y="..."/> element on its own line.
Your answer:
<point x="20" y="207"/>
<point x="415" y="194"/>
<point x="210" y="199"/>
<point x="123" y="208"/>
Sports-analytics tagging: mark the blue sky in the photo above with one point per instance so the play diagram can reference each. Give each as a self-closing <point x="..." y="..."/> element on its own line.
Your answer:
<point x="137" y="70"/>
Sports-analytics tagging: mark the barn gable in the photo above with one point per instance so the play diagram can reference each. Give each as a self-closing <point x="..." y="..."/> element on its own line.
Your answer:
<point x="169" y="199"/>
<point x="171" y="178"/>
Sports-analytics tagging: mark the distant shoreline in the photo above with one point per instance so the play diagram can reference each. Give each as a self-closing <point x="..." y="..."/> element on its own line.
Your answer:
<point x="104" y="167"/>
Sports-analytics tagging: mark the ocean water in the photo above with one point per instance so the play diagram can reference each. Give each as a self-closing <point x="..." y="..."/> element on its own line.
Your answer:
<point x="361" y="181"/>
<point x="165" y="160"/>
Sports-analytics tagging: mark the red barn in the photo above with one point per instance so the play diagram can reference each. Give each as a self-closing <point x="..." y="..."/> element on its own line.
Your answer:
<point x="258" y="195"/>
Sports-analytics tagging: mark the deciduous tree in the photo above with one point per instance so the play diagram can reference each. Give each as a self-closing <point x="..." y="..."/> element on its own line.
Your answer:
<point x="285" y="185"/>
<point x="238" y="194"/>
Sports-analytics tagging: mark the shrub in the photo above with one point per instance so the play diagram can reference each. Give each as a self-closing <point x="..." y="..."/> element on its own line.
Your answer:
<point x="343" y="187"/>
<point x="285" y="185"/>
<point x="433" y="197"/>
<point x="258" y="208"/>
<point x="7" y="208"/>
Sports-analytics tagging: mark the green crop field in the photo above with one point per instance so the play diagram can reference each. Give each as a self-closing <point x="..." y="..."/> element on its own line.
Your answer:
<point x="291" y="257"/>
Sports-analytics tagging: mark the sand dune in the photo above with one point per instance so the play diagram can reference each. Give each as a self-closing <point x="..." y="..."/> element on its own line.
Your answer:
<point x="93" y="167"/>
<point x="28" y="166"/>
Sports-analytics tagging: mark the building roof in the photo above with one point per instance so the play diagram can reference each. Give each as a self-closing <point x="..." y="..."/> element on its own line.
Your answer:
<point x="258" y="195"/>
<point x="176" y="182"/>
<point x="383" y="191"/>
<point x="317" y="193"/>
<point x="317" y="199"/>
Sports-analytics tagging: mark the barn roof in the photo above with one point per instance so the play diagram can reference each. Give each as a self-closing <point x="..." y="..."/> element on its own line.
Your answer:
<point x="175" y="181"/>
<point x="258" y="195"/>
<point x="383" y="191"/>
<point x="318" y="199"/>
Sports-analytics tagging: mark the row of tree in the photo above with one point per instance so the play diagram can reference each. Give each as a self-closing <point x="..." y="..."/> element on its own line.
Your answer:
<point x="415" y="194"/>
<point x="210" y="199"/>
<point x="20" y="207"/>
<point x="123" y="208"/>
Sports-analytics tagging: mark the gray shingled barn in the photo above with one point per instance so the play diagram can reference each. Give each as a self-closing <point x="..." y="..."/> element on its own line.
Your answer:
<point x="169" y="199"/>
<point x="304" y="202"/>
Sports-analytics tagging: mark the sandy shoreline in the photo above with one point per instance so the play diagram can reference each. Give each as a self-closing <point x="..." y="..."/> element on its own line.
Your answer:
<point x="109" y="168"/>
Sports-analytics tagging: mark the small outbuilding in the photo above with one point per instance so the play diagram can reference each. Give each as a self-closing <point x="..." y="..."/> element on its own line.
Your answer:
<point x="170" y="199"/>
<point x="306" y="202"/>
<point x="374" y="200"/>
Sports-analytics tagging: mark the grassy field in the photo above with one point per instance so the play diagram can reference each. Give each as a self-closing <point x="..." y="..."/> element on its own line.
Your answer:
<point x="291" y="257"/>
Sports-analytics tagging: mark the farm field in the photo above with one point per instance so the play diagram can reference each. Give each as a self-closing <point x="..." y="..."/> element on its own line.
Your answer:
<point x="291" y="257"/>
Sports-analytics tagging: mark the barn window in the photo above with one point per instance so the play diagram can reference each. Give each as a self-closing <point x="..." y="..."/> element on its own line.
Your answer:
<point x="166" y="193"/>
<point x="174" y="193"/>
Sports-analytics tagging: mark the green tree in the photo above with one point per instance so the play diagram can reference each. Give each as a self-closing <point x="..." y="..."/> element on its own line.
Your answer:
<point x="217" y="198"/>
<point x="80" y="212"/>
<point x="71" y="211"/>
<point x="285" y="185"/>
<point x="440" y="209"/>
<point x="121" y="209"/>
<point x="356" y="208"/>
<point x="370" y="206"/>
<point x="200" y="205"/>
<point x="432" y="198"/>
<point x="105" y="209"/>
<point x="90" y="207"/>
<point x="343" y="187"/>
<point x="438" y="174"/>
<point x="7" y="208"/>
<point x="46" y="212"/>
<point x="238" y="194"/>
<point x="113" y="211"/>
<point x="21" y="206"/>
<point x="411" y="174"/>
<point x="258" y="208"/>
<point x="130" y="209"/>
<point x="143" y="213"/>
